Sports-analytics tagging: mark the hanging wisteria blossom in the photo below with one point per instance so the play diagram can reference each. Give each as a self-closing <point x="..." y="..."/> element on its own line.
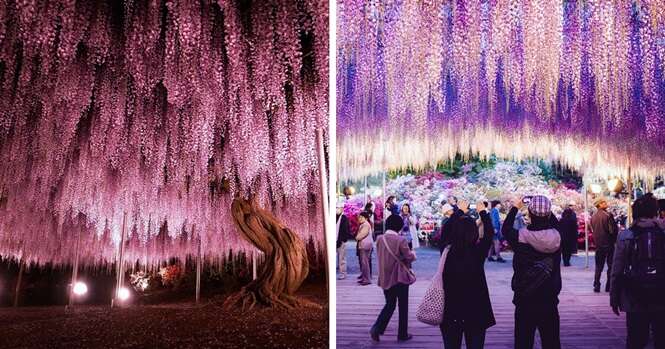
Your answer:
<point x="156" y="113"/>
<point x="581" y="82"/>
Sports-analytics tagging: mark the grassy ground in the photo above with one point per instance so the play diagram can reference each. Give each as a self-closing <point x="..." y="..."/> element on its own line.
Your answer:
<point x="171" y="325"/>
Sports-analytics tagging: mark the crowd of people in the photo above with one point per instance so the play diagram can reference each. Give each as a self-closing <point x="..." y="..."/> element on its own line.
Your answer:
<point x="540" y="242"/>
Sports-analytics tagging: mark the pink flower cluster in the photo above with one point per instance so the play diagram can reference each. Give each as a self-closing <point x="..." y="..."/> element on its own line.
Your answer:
<point x="162" y="113"/>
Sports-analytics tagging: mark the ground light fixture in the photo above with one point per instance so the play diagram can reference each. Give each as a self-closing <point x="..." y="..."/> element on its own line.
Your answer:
<point x="80" y="288"/>
<point x="123" y="294"/>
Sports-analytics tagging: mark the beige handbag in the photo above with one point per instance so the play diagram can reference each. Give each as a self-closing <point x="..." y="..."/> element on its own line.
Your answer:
<point x="430" y="310"/>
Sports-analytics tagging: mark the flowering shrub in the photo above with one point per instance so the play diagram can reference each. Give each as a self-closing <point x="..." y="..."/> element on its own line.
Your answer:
<point x="171" y="275"/>
<point x="140" y="280"/>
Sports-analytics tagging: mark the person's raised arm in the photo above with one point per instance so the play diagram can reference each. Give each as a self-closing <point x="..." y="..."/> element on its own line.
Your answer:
<point x="510" y="233"/>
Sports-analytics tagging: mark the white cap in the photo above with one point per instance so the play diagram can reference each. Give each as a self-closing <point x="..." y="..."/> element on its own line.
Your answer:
<point x="446" y="208"/>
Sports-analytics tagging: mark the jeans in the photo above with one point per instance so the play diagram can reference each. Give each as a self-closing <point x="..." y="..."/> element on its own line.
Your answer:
<point x="398" y="294"/>
<point x="544" y="318"/>
<point x="603" y="254"/>
<point x="341" y="255"/>
<point x="365" y="276"/>
<point x="638" y="329"/>
<point x="452" y="336"/>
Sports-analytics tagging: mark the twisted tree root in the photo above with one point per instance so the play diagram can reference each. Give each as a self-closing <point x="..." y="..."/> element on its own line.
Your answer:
<point x="286" y="265"/>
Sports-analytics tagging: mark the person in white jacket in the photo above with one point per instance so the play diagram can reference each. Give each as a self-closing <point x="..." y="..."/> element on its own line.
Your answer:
<point x="409" y="230"/>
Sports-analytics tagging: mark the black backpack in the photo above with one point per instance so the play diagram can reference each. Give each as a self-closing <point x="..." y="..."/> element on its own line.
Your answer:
<point x="534" y="276"/>
<point x="645" y="270"/>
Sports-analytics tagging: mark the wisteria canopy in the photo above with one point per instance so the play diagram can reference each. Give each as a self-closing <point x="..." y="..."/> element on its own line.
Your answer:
<point x="162" y="110"/>
<point x="580" y="82"/>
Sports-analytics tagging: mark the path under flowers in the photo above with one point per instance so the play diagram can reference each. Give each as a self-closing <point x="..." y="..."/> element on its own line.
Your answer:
<point x="586" y="318"/>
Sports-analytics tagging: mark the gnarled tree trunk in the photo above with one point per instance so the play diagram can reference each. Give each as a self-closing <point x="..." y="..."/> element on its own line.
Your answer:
<point x="286" y="265"/>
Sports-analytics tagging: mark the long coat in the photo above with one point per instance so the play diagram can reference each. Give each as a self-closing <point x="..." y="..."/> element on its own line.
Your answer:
<point x="568" y="229"/>
<point x="466" y="297"/>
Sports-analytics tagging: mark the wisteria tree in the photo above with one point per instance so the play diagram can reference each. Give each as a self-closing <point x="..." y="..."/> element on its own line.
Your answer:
<point x="162" y="111"/>
<point x="581" y="82"/>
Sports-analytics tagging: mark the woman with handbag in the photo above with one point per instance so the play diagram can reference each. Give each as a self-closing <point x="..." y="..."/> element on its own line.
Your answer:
<point x="467" y="311"/>
<point x="395" y="276"/>
<point x="364" y="243"/>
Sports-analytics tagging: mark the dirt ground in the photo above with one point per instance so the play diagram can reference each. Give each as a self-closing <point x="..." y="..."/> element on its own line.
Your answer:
<point x="176" y="325"/>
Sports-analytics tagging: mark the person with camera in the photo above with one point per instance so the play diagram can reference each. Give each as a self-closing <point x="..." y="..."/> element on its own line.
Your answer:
<point x="536" y="281"/>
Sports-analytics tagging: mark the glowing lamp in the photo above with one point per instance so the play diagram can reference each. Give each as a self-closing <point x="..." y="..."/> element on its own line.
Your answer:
<point x="614" y="185"/>
<point x="80" y="288"/>
<point x="123" y="294"/>
<point x="350" y="190"/>
<point x="596" y="188"/>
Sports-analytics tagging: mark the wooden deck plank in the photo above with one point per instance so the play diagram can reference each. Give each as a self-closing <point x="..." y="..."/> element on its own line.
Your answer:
<point x="586" y="318"/>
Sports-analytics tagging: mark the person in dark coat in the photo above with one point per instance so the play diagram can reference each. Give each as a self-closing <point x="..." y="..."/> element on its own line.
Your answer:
<point x="604" y="230"/>
<point x="536" y="281"/>
<point x="643" y="309"/>
<point x="568" y="230"/>
<point x="467" y="308"/>
<point x="343" y="235"/>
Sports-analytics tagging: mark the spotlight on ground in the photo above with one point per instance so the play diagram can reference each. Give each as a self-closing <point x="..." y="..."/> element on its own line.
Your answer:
<point x="80" y="288"/>
<point x="123" y="294"/>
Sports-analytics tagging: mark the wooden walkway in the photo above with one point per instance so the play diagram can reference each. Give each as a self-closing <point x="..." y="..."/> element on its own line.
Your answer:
<point x="586" y="318"/>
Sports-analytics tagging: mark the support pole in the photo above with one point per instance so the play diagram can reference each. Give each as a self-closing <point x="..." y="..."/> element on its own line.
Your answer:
<point x="18" y="282"/>
<point x="383" y="221"/>
<point x="120" y="266"/>
<point x="253" y="265"/>
<point x="586" y="225"/>
<point x="75" y="270"/>
<point x="324" y="194"/>
<point x="365" y="192"/>
<point x="629" y="180"/>
<point x="198" y="266"/>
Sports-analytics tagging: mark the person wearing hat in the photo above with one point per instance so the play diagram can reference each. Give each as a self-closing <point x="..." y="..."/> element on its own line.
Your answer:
<point x="343" y="234"/>
<point x="536" y="281"/>
<point x="604" y="230"/>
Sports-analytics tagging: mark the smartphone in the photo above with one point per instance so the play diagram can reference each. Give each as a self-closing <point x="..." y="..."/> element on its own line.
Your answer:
<point x="527" y="199"/>
<point x="472" y="206"/>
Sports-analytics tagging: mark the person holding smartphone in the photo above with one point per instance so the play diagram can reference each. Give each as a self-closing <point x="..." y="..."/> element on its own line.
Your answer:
<point x="536" y="281"/>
